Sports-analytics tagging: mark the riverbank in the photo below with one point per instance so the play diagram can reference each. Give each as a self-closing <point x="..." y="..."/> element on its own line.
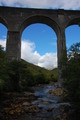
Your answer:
<point x="38" y="103"/>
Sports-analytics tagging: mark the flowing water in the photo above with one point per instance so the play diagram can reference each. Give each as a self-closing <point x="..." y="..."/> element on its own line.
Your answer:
<point x="36" y="105"/>
<point x="45" y="99"/>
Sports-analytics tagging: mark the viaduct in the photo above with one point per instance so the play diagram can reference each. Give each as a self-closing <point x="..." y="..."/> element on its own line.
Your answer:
<point x="17" y="19"/>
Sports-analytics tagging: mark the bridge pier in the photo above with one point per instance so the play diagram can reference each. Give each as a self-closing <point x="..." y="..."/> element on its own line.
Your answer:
<point x="62" y="54"/>
<point x="13" y="45"/>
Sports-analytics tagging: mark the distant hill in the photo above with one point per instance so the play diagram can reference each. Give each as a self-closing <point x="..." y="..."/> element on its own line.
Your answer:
<point x="54" y="70"/>
<point x="34" y="69"/>
<point x="30" y="65"/>
<point x="39" y="75"/>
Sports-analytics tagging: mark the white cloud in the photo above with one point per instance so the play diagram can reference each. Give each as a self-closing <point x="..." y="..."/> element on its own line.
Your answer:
<point x="65" y="4"/>
<point x="49" y="60"/>
<point x="3" y="43"/>
<point x="28" y="53"/>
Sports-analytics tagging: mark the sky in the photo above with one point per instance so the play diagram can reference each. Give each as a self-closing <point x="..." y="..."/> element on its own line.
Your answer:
<point x="39" y="41"/>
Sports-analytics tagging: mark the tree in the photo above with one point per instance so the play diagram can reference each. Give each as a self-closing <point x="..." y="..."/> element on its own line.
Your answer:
<point x="2" y="52"/>
<point x="13" y="69"/>
<point x="9" y="72"/>
<point x="71" y="75"/>
<point x="74" y="51"/>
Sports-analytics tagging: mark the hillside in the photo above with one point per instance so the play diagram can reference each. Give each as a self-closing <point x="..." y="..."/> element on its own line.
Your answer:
<point x="15" y="75"/>
<point x="39" y="75"/>
<point x="37" y="69"/>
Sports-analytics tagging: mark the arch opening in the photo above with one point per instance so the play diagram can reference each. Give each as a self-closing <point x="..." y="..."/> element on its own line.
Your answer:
<point x="39" y="45"/>
<point x="72" y="34"/>
<point x="3" y="35"/>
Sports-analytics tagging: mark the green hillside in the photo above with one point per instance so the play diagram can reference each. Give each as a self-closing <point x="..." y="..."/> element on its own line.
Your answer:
<point x="55" y="72"/>
<point x="37" y="75"/>
<point x="15" y="75"/>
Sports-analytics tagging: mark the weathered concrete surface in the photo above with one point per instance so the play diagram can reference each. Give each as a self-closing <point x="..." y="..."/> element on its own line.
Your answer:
<point x="17" y="19"/>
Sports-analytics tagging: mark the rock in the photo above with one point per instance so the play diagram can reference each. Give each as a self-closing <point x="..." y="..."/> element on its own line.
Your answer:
<point x="31" y="109"/>
<point x="11" y="112"/>
<point x="28" y="94"/>
<point x="64" y="117"/>
<point x="61" y="112"/>
<point x="45" y="102"/>
<point x="26" y="104"/>
<point x="50" y="109"/>
<point x="57" y="91"/>
<point x="6" y="110"/>
<point x="18" y="110"/>
<point x="58" y="117"/>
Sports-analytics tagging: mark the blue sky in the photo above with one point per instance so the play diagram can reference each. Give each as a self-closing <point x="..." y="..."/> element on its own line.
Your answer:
<point x="39" y="41"/>
<point x="44" y="37"/>
<point x="72" y="35"/>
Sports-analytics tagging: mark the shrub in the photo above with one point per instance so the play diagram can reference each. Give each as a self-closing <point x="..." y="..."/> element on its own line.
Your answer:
<point x="71" y="75"/>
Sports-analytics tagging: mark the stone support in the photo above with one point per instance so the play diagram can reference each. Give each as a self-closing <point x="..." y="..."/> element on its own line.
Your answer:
<point x="61" y="45"/>
<point x="62" y="54"/>
<point x="13" y="45"/>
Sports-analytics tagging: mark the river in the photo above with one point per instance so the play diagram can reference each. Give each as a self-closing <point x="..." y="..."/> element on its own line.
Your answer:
<point x="36" y="104"/>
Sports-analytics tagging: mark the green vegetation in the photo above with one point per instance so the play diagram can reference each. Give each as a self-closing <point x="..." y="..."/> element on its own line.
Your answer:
<point x="32" y="75"/>
<point x="71" y="75"/>
<point x="17" y="75"/>
<point x="54" y="74"/>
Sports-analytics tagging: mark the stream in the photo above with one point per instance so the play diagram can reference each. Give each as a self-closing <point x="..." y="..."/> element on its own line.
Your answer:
<point x="46" y="100"/>
<point x="36" y="104"/>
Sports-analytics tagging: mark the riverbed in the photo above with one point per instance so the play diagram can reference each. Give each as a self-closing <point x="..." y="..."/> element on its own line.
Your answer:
<point x="35" y="104"/>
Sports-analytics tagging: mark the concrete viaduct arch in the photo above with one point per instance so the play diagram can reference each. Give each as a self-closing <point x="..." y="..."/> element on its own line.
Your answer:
<point x="16" y="19"/>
